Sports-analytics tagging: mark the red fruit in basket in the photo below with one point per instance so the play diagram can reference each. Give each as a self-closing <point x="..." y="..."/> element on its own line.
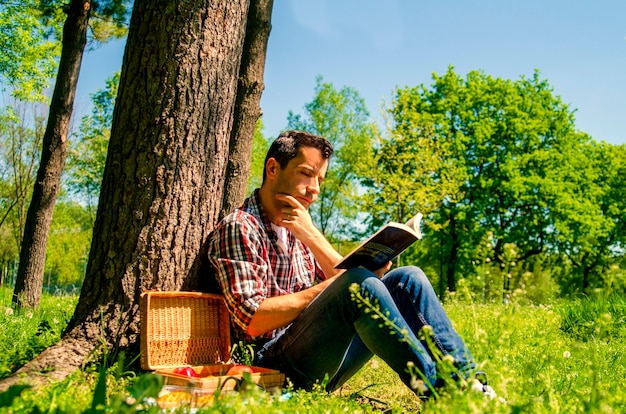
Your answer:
<point x="239" y="370"/>
<point x="187" y="371"/>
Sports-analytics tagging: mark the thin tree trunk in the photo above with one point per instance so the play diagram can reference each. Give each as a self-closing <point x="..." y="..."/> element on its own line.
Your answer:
<point x="453" y="256"/>
<point x="442" y="282"/>
<point x="30" y="273"/>
<point x="247" y="109"/>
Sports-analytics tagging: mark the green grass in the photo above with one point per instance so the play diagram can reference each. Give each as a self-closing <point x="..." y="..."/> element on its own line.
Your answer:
<point x="567" y="357"/>
<point x="601" y="318"/>
<point x="25" y="334"/>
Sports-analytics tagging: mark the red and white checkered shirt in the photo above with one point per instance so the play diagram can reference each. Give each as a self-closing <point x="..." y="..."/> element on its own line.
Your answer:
<point x="251" y="266"/>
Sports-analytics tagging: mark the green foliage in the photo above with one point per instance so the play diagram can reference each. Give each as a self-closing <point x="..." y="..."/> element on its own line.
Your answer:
<point x="88" y="151"/>
<point x="31" y="42"/>
<point x="68" y="244"/>
<point x="495" y="163"/>
<point x="410" y="172"/>
<point x="242" y="353"/>
<point x="341" y="117"/>
<point x="260" y="146"/>
<point x="508" y="281"/>
<point x="29" y="52"/>
<point x="590" y="225"/>
<point x="6" y="398"/>
<point x="31" y="35"/>
<point x="21" y="133"/>
<point x="109" y="19"/>
<point x="22" y="127"/>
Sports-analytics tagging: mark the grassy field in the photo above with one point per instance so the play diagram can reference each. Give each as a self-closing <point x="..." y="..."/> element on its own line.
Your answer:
<point x="566" y="357"/>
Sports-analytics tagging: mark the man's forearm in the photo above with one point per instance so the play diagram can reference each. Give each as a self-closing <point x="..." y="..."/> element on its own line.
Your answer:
<point x="324" y="252"/>
<point x="278" y="311"/>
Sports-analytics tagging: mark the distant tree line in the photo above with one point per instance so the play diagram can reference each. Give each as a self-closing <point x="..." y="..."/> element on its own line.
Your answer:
<point x="517" y="201"/>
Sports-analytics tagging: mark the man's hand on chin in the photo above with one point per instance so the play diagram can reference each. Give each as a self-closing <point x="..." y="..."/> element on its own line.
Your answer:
<point x="297" y="219"/>
<point x="295" y="216"/>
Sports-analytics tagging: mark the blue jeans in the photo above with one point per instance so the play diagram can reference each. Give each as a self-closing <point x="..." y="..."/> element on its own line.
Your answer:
<point x="335" y="336"/>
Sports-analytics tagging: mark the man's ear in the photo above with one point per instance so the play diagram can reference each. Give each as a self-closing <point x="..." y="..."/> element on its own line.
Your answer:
<point x="271" y="168"/>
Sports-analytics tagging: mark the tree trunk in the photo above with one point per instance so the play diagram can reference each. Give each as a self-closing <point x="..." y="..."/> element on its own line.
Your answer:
<point x="29" y="282"/>
<point x="164" y="176"/>
<point x="453" y="256"/>
<point x="247" y="109"/>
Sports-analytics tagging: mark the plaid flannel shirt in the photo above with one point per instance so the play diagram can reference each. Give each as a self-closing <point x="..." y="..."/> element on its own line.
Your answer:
<point x="250" y="265"/>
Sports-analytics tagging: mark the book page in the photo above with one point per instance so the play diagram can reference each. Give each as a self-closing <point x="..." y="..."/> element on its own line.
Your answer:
<point x="414" y="224"/>
<point x="383" y="246"/>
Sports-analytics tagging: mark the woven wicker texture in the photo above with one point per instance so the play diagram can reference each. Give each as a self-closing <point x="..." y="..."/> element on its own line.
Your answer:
<point x="183" y="328"/>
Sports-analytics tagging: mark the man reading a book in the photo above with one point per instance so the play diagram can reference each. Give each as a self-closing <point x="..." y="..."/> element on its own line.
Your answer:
<point x="277" y="273"/>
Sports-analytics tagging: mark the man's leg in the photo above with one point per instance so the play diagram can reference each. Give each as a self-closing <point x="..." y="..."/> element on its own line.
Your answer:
<point x="355" y="357"/>
<point x="315" y="344"/>
<point x="418" y="304"/>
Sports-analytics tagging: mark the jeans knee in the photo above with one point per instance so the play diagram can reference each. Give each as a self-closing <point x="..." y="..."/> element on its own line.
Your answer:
<point x="366" y="280"/>
<point x="418" y="274"/>
<point x="406" y="275"/>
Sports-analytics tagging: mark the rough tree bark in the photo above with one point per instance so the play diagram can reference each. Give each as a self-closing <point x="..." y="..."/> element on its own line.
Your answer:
<point x="30" y="273"/>
<point x="247" y="108"/>
<point x="163" y="182"/>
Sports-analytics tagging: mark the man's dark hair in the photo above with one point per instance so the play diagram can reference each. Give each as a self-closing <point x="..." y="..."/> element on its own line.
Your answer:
<point x="287" y="147"/>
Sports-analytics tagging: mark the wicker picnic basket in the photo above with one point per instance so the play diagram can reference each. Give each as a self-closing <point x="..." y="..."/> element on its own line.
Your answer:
<point x="192" y="329"/>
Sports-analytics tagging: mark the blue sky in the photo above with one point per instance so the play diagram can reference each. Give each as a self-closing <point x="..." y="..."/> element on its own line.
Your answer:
<point x="377" y="46"/>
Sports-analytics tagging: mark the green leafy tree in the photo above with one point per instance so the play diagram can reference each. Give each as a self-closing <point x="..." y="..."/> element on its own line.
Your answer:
<point x="342" y="117"/>
<point x="409" y="173"/>
<point x="21" y="132"/>
<point x="70" y="237"/>
<point x="495" y="143"/>
<point x="29" y="52"/>
<point x="8" y="255"/>
<point x="87" y="155"/>
<point x="589" y="219"/>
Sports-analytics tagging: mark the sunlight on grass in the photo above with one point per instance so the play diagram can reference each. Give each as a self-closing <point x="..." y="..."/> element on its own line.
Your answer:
<point x="567" y="357"/>
<point x="26" y="333"/>
<point x="530" y="361"/>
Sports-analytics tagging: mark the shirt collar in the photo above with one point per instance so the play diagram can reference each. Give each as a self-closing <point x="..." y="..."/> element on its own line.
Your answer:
<point x="253" y="204"/>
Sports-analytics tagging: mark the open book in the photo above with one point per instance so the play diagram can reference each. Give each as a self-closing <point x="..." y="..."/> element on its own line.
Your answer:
<point x="384" y="245"/>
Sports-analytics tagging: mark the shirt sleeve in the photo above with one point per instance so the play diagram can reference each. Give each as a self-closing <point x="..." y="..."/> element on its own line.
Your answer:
<point x="320" y="276"/>
<point x="238" y="253"/>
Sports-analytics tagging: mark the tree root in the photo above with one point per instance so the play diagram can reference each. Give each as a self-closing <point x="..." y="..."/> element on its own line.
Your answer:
<point x="53" y="364"/>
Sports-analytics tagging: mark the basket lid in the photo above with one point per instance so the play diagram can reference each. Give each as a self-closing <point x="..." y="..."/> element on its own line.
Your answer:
<point x="183" y="328"/>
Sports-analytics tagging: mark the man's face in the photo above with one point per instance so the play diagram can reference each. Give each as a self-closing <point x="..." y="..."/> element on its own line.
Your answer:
<point x="302" y="177"/>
